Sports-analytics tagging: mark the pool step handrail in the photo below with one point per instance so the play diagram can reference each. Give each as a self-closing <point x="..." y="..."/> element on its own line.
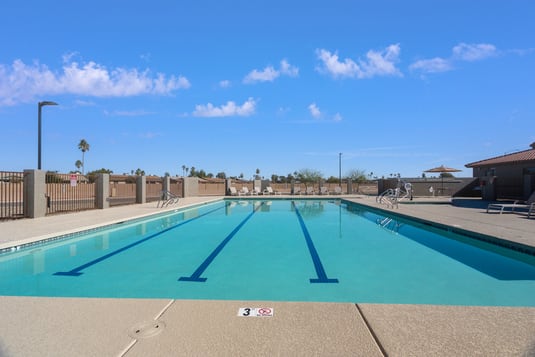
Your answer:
<point x="167" y="198"/>
<point x="392" y="196"/>
<point x="389" y="224"/>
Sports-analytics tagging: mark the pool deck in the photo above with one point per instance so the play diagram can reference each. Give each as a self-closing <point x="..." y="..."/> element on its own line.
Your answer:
<point x="157" y="327"/>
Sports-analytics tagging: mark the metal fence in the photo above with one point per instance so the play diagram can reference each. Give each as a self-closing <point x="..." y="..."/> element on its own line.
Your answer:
<point x="122" y="193"/>
<point x="69" y="192"/>
<point x="176" y="186"/>
<point x="154" y="189"/>
<point x="211" y="188"/>
<point x="11" y="195"/>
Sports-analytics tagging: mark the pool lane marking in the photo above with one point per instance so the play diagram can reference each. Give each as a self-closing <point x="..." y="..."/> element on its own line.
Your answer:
<point x="196" y="276"/>
<point x="77" y="271"/>
<point x="320" y="271"/>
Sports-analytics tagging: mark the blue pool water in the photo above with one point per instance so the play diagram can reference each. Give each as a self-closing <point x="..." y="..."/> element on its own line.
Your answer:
<point x="285" y="250"/>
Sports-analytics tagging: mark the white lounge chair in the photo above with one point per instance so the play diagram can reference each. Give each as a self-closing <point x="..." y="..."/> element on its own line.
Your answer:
<point x="310" y="190"/>
<point x="516" y="204"/>
<point x="256" y="191"/>
<point x="233" y="191"/>
<point x="269" y="191"/>
<point x="244" y="191"/>
<point x="324" y="190"/>
<point x="297" y="190"/>
<point x="338" y="190"/>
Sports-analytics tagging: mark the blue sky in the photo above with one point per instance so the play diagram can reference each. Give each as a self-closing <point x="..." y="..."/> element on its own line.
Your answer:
<point x="232" y="86"/>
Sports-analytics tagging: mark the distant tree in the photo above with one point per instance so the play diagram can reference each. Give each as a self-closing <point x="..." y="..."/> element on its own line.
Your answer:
<point x="140" y="172"/>
<point x="221" y="175"/>
<point x="78" y="164"/>
<point x="201" y="173"/>
<point x="358" y="176"/>
<point x="167" y="174"/>
<point x="241" y="176"/>
<point x="308" y="176"/>
<point x="446" y="175"/>
<point x="192" y="172"/>
<point x="83" y="146"/>
<point x="332" y="179"/>
<point x="257" y="174"/>
<point x="184" y="167"/>
<point x="92" y="175"/>
<point x="290" y="177"/>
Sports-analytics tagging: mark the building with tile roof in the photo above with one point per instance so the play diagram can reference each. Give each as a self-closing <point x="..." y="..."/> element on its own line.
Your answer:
<point x="510" y="176"/>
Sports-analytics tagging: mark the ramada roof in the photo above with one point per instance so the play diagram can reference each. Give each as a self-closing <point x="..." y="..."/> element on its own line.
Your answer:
<point x="517" y="157"/>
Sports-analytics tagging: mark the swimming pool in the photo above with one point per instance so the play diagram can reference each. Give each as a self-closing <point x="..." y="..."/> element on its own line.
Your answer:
<point x="282" y="250"/>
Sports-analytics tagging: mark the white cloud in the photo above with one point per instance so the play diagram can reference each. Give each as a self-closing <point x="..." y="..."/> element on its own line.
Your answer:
<point x="314" y="110"/>
<point x="433" y="65"/>
<point x="381" y="63"/>
<point x="337" y="117"/>
<point x="287" y="69"/>
<point x="461" y="53"/>
<point x="473" y="52"/>
<point x="269" y="73"/>
<point x="23" y="83"/>
<point x="225" y="110"/>
<point x="224" y="84"/>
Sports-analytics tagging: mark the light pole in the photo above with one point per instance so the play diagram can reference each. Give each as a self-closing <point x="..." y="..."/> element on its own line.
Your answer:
<point x="39" y="106"/>
<point x="340" y="169"/>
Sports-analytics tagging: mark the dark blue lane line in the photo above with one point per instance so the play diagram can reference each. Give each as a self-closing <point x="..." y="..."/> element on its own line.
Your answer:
<point x="320" y="272"/>
<point x="77" y="271"/>
<point x="196" y="276"/>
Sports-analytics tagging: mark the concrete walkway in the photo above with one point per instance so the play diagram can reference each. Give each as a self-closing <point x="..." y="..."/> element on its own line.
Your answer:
<point x="155" y="327"/>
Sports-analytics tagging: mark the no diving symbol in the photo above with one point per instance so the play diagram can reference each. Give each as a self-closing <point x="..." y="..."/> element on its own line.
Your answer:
<point x="256" y="312"/>
<point x="265" y="311"/>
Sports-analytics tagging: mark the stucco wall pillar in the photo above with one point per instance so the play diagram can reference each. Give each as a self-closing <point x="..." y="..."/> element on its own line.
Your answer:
<point x="103" y="191"/>
<point x="34" y="193"/>
<point x="141" y="189"/>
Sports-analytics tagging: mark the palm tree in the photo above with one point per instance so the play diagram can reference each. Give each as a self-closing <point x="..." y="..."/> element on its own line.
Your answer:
<point x="184" y="170"/>
<point x="84" y="146"/>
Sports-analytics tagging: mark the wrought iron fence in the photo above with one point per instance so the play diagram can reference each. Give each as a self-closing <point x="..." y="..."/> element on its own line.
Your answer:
<point x="176" y="186"/>
<point x="122" y="193"/>
<point x="11" y="195"/>
<point x="69" y="192"/>
<point x="154" y="188"/>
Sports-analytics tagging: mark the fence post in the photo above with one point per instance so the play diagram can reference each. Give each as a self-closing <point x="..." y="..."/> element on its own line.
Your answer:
<point x="190" y="187"/>
<point x="141" y="189"/>
<point x="102" y="189"/>
<point x="166" y="183"/>
<point x="34" y="193"/>
<point x="228" y="185"/>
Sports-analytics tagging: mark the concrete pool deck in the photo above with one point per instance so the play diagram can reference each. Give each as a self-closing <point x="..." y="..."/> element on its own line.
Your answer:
<point x="157" y="327"/>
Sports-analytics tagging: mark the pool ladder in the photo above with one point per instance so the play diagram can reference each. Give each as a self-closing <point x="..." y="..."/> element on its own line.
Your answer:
<point x="167" y="198"/>
<point x="389" y="224"/>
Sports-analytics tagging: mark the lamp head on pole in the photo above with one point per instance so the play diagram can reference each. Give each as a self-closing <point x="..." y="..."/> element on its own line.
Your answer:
<point x="42" y="104"/>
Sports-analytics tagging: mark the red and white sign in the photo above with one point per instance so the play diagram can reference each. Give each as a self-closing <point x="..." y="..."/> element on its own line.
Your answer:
<point x="74" y="180"/>
<point x="256" y="312"/>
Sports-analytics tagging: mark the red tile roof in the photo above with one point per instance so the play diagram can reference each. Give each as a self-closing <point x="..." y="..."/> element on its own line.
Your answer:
<point x="517" y="157"/>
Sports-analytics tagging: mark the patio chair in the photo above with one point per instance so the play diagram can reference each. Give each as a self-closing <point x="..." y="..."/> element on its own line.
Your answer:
<point x="244" y="191"/>
<point x="233" y="191"/>
<point x="324" y="190"/>
<point x="310" y="190"/>
<point x="531" y="210"/>
<point x="297" y="190"/>
<point x="269" y="191"/>
<point x="516" y="204"/>
<point x="338" y="190"/>
<point x="256" y="191"/>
